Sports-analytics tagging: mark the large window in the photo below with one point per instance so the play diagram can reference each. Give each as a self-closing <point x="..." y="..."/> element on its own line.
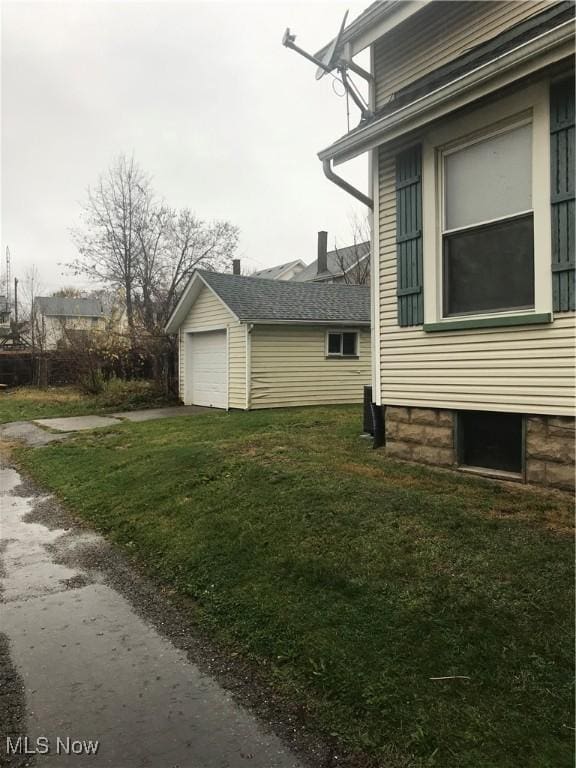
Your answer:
<point x="488" y="227"/>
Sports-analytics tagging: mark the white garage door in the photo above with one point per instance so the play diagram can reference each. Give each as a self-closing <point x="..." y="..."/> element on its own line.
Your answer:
<point x="207" y="370"/>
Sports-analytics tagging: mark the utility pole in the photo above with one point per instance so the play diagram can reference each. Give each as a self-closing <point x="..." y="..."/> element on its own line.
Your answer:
<point x="8" y="280"/>
<point x="16" y="299"/>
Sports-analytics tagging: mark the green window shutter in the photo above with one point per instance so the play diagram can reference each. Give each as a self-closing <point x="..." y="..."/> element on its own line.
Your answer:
<point x="562" y="195"/>
<point x="410" y="283"/>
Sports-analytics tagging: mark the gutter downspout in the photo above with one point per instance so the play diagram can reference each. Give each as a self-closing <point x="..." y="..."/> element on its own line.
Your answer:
<point x="343" y="184"/>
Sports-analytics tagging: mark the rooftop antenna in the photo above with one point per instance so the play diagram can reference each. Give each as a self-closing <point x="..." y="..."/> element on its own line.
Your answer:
<point x="330" y="58"/>
<point x="333" y="59"/>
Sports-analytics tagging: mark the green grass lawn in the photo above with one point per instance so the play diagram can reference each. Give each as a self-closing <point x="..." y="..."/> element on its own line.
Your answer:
<point x="24" y="403"/>
<point x="355" y="578"/>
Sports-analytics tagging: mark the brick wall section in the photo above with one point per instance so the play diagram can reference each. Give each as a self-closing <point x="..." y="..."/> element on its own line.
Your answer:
<point x="550" y="451"/>
<point x="420" y="434"/>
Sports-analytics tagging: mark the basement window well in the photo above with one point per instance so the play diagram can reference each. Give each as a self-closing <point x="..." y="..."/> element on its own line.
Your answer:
<point x="491" y="441"/>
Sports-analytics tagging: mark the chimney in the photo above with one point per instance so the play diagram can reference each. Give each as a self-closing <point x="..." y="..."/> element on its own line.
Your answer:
<point x="322" y="253"/>
<point x="235" y="266"/>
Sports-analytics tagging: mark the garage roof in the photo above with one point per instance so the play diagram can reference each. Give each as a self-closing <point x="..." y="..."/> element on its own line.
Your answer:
<point x="255" y="299"/>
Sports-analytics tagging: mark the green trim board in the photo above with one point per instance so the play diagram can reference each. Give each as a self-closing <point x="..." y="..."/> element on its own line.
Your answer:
<point x="489" y="322"/>
<point x="562" y="161"/>
<point x="410" y="278"/>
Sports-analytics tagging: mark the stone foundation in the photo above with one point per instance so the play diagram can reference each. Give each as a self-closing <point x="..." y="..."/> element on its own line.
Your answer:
<point x="426" y="435"/>
<point x="421" y="434"/>
<point x="550" y="451"/>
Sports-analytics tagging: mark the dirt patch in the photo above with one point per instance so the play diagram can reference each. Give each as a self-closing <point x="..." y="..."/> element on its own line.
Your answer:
<point x="555" y="520"/>
<point x="46" y="512"/>
<point x="363" y="471"/>
<point x="12" y="708"/>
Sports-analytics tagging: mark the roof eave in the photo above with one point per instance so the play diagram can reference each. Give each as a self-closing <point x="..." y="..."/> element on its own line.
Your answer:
<point x="268" y="321"/>
<point x="542" y="51"/>
<point x="189" y="296"/>
<point x="374" y="23"/>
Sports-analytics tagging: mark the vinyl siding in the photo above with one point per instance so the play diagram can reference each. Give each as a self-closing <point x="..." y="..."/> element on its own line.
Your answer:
<point x="525" y="369"/>
<point x="208" y="312"/>
<point x="289" y="367"/>
<point x="440" y="33"/>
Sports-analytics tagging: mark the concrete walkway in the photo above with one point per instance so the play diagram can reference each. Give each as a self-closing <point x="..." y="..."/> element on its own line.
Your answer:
<point x="94" y="669"/>
<point x="78" y="423"/>
<point x="34" y="432"/>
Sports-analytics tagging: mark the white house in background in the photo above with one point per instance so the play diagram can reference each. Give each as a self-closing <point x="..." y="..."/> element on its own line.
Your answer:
<point x="60" y="318"/>
<point x="282" y="272"/>
<point x="245" y="342"/>
<point x="470" y="135"/>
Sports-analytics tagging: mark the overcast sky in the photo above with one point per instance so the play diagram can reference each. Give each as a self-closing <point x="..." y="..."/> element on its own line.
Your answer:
<point x="224" y="118"/>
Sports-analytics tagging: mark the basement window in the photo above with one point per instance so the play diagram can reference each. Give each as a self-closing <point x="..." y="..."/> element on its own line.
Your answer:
<point x="342" y="344"/>
<point x="491" y="441"/>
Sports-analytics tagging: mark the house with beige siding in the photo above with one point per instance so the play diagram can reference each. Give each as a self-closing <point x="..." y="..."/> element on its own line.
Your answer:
<point x="247" y="342"/>
<point x="61" y="319"/>
<point x="469" y="133"/>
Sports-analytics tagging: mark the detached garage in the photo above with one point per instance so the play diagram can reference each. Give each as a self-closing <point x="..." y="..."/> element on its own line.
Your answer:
<point x="248" y="342"/>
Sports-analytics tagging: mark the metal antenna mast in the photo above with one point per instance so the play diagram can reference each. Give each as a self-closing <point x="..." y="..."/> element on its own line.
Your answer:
<point x="333" y="59"/>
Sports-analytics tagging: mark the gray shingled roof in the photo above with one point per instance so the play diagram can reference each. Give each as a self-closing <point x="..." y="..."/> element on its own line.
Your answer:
<point x="59" y="306"/>
<point x="255" y="298"/>
<point x="343" y="257"/>
<point x="271" y="273"/>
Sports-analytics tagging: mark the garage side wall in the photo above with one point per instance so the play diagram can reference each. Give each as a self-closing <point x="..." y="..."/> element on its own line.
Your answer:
<point x="209" y="313"/>
<point x="289" y="367"/>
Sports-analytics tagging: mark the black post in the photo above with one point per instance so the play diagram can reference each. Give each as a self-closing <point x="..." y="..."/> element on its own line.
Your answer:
<point x="379" y="426"/>
<point x="368" y="423"/>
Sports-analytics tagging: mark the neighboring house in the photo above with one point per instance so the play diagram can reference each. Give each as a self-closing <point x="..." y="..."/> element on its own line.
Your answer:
<point x="471" y="144"/>
<point x="60" y="319"/>
<point x="350" y="264"/>
<point x="246" y="343"/>
<point x="282" y="272"/>
<point x="4" y="311"/>
<point x="5" y="327"/>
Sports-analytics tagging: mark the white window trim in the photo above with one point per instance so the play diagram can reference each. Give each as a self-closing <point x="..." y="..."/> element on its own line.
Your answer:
<point x="340" y="355"/>
<point x="533" y="102"/>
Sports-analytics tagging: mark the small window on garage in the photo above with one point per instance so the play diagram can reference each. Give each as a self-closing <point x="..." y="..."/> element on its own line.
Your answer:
<point x="490" y="440"/>
<point x="342" y="344"/>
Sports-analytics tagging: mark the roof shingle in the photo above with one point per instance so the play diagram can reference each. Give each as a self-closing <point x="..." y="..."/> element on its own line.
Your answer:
<point x="60" y="306"/>
<point x="258" y="299"/>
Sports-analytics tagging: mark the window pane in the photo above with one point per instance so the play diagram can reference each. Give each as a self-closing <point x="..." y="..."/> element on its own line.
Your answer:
<point x="489" y="268"/>
<point x="491" y="440"/>
<point x="334" y="343"/>
<point x="490" y="179"/>
<point x="348" y="343"/>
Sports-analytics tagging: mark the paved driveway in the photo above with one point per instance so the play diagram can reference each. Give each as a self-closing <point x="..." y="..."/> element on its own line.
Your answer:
<point x="94" y="670"/>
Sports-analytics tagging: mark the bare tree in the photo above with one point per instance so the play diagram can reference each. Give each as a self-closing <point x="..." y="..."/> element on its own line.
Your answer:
<point x="108" y="243"/>
<point x="153" y="232"/>
<point x="192" y="244"/>
<point x="130" y="240"/>
<point x="68" y="292"/>
<point x="30" y="288"/>
<point x="353" y="261"/>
